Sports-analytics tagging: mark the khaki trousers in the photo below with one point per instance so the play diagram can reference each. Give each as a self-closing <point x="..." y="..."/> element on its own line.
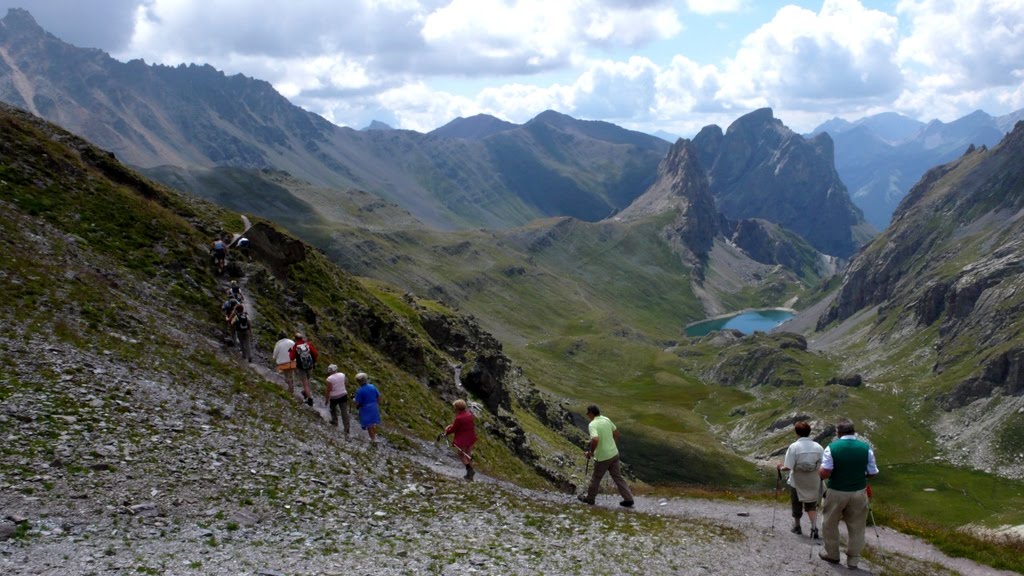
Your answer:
<point x="611" y="466"/>
<point x="851" y="508"/>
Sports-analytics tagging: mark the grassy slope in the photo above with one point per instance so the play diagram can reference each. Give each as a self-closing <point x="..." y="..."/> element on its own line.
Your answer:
<point x="144" y="250"/>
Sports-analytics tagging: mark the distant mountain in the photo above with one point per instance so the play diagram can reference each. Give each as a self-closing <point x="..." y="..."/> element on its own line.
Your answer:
<point x="195" y="117"/>
<point x="473" y="128"/>
<point x="666" y="136"/>
<point x="944" y="285"/>
<point x="759" y="168"/>
<point x="888" y="126"/>
<point x="378" y="125"/>
<point x="880" y="157"/>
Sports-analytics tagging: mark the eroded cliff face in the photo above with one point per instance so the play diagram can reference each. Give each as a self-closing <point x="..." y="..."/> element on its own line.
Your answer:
<point x="759" y="168"/>
<point x="952" y="261"/>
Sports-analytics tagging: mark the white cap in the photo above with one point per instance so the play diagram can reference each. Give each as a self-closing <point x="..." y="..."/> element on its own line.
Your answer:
<point x="332" y="368"/>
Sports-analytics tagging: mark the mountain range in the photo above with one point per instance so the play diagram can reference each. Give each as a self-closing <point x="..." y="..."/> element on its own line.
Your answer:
<point x="880" y="157"/>
<point x="472" y="172"/>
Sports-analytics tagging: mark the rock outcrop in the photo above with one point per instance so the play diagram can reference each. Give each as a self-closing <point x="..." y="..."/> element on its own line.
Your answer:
<point x="759" y="168"/>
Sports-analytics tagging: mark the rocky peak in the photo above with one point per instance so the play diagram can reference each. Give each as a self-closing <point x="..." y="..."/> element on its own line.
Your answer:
<point x="20" y="20"/>
<point x="761" y="169"/>
<point x="682" y="185"/>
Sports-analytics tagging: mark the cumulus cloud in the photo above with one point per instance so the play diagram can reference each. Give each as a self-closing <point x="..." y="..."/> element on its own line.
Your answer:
<point x="962" y="55"/>
<point x="844" y="52"/>
<point x="715" y="6"/>
<point x="616" y="90"/>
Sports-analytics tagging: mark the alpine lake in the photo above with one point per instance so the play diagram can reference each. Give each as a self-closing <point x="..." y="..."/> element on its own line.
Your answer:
<point x="747" y="322"/>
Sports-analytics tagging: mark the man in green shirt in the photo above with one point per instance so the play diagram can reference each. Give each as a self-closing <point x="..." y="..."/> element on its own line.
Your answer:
<point x="847" y="464"/>
<point x="605" y="452"/>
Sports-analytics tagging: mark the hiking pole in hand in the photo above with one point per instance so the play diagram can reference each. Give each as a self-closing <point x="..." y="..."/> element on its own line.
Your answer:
<point x="871" y="513"/>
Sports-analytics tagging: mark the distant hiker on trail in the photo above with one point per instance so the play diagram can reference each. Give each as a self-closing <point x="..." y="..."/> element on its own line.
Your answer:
<point x="284" y="361"/>
<point x="336" y="396"/>
<point x="220" y="254"/>
<point x="235" y="291"/>
<point x="603" y="448"/>
<point x="465" y="436"/>
<point x="228" y="308"/>
<point x="846" y="464"/>
<point x="802" y="461"/>
<point x="368" y="402"/>
<point x="240" y="327"/>
<point x="304" y="354"/>
<point x="243" y="247"/>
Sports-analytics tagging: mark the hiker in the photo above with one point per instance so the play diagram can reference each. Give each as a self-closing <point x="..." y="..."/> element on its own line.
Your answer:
<point x="304" y="354"/>
<point x="243" y="247"/>
<point x="336" y="396"/>
<point x="464" y="436"/>
<point x="603" y="448"/>
<point x="228" y="308"/>
<point x="240" y="328"/>
<point x="846" y="465"/>
<point x="235" y="291"/>
<point x="220" y="254"/>
<point x="284" y="361"/>
<point x="368" y="402"/>
<point x="802" y="461"/>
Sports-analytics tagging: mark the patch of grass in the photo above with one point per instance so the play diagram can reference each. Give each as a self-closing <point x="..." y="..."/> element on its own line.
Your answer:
<point x="1000" y="553"/>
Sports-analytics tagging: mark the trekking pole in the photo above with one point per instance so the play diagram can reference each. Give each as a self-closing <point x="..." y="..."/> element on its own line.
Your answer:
<point x="775" y="506"/>
<point x="871" y="512"/>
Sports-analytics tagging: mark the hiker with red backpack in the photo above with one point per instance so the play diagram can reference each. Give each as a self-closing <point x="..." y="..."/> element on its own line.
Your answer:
<point x="304" y="354"/>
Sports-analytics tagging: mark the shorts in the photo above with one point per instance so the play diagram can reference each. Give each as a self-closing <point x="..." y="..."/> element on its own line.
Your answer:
<point x="287" y="366"/>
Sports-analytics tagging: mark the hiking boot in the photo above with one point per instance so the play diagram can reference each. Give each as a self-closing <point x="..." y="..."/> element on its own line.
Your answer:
<point x="814" y="534"/>
<point x="470" y="474"/>
<point x="827" y="559"/>
<point x="585" y="500"/>
<point x="796" y="529"/>
<point x="309" y="401"/>
<point x="626" y="503"/>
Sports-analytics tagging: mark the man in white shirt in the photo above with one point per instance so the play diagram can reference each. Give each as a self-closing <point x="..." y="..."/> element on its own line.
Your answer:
<point x="282" y="357"/>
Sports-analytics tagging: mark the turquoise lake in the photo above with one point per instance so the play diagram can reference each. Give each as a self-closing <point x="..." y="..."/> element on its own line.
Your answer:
<point x="746" y="322"/>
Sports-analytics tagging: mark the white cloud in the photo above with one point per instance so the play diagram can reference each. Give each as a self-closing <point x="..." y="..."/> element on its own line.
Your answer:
<point x="961" y="56"/>
<point x="615" y="91"/>
<point x="715" y="6"/>
<point x="805" y="59"/>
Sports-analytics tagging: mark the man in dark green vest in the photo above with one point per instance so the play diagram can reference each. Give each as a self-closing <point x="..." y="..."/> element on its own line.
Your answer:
<point x="847" y="464"/>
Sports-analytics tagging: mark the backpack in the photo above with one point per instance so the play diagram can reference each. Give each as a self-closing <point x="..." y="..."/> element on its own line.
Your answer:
<point x="304" y="357"/>
<point x="242" y="321"/>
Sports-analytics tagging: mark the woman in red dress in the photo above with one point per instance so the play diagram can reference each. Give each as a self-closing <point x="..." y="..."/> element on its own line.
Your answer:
<point x="465" y="435"/>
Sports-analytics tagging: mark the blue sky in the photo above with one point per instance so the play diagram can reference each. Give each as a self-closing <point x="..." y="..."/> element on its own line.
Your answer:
<point x="651" y="65"/>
